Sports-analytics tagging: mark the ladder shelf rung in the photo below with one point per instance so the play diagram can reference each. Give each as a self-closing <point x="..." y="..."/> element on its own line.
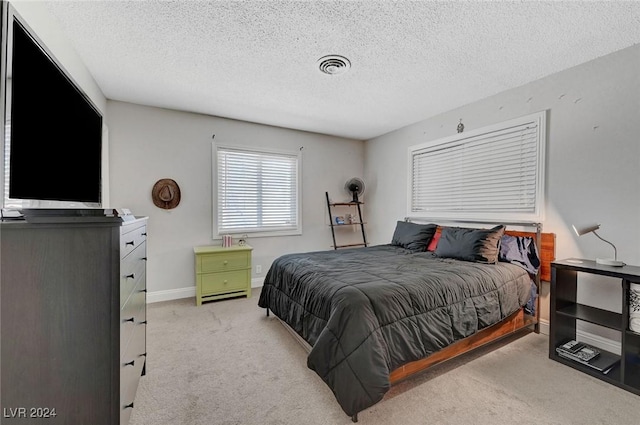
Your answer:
<point x="345" y="204"/>
<point x="360" y="223"/>
<point x="348" y="245"/>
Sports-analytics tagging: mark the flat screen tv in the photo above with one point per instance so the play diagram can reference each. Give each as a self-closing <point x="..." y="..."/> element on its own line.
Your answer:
<point x="53" y="131"/>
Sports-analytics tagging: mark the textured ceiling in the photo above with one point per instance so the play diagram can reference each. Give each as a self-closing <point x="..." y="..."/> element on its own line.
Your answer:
<point x="257" y="60"/>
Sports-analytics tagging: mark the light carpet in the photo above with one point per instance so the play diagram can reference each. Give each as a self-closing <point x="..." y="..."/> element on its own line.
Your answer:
<point x="226" y="363"/>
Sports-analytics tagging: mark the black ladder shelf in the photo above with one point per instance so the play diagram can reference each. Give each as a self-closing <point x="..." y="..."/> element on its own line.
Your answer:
<point x="333" y="224"/>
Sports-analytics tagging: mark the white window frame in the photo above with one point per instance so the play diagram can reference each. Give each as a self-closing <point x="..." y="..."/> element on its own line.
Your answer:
<point x="297" y="230"/>
<point x="534" y="122"/>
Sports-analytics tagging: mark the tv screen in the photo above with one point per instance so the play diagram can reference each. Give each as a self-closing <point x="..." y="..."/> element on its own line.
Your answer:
<point x="54" y="131"/>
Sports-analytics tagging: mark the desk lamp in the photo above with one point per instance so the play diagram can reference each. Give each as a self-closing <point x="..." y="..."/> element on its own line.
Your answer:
<point x="591" y="228"/>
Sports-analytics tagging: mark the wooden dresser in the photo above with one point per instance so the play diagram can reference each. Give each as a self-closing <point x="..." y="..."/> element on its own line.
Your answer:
<point x="222" y="272"/>
<point x="73" y="319"/>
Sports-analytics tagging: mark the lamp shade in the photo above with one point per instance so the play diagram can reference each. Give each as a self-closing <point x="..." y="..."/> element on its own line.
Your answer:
<point x="589" y="228"/>
<point x="581" y="230"/>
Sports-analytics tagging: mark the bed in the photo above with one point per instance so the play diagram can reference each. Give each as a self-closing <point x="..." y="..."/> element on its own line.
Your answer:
<point x="374" y="316"/>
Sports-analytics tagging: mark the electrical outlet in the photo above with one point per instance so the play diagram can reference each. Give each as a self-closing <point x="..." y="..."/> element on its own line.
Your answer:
<point x="258" y="269"/>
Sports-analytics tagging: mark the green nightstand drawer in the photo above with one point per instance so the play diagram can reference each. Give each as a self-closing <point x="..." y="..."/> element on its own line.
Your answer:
<point x="221" y="262"/>
<point x="224" y="281"/>
<point x="222" y="272"/>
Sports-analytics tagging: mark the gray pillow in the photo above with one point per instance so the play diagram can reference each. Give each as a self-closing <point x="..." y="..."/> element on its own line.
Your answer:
<point x="413" y="236"/>
<point x="479" y="245"/>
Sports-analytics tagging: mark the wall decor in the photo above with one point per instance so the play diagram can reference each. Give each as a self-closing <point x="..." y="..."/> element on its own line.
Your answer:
<point x="166" y="194"/>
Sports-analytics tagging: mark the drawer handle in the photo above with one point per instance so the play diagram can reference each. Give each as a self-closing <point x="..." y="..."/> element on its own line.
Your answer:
<point x="143" y="355"/>
<point x="144" y="322"/>
<point x="129" y="406"/>
<point x="143" y="290"/>
<point x="131" y="363"/>
<point x="130" y="276"/>
<point x="144" y="258"/>
<point x="144" y="234"/>
<point x="129" y="243"/>
<point x="225" y="262"/>
<point x="225" y="281"/>
<point x="128" y="320"/>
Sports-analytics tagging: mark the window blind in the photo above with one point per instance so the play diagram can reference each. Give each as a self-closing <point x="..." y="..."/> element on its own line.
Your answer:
<point x="496" y="172"/>
<point x="257" y="191"/>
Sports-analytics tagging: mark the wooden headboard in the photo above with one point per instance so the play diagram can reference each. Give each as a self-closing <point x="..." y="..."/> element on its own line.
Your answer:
<point x="547" y="250"/>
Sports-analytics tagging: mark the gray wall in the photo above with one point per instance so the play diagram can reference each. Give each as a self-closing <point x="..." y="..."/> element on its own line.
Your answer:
<point x="147" y="144"/>
<point x="593" y="159"/>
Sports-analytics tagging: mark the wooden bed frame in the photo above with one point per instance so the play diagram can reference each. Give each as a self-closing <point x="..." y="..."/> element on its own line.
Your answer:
<point x="517" y="321"/>
<point x="514" y="323"/>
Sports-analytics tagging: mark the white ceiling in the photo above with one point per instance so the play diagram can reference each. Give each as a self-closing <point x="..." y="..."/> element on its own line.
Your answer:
<point x="257" y="60"/>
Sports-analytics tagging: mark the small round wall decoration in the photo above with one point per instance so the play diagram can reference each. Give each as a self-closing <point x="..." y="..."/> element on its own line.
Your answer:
<point x="166" y="194"/>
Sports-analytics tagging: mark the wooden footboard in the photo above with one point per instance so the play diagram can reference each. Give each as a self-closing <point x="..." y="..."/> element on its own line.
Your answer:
<point x="517" y="321"/>
<point x="508" y="326"/>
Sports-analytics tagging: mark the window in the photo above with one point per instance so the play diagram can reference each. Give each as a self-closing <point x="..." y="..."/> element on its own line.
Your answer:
<point x="257" y="192"/>
<point x="493" y="173"/>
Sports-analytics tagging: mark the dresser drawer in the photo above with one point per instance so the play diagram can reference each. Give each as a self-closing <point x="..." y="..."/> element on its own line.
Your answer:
<point x="131" y="367"/>
<point x="224" y="281"/>
<point x="218" y="262"/>
<point x="132" y="314"/>
<point x="222" y="272"/>
<point x="132" y="271"/>
<point x="131" y="238"/>
<point x="136" y="349"/>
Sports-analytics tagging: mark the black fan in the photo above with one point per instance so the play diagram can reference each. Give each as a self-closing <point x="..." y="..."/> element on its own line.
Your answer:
<point x="355" y="186"/>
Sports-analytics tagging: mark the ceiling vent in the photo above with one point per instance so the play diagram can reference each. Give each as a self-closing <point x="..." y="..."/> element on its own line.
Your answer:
<point x="334" y="64"/>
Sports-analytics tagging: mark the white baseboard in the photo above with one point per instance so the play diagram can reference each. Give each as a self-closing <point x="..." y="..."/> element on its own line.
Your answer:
<point x="171" y="294"/>
<point x="588" y="338"/>
<point x="599" y="341"/>
<point x="544" y="327"/>
<point x="188" y="292"/>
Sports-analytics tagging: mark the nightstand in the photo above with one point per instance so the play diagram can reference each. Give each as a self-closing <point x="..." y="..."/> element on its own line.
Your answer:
<point x="565" y="311"/>
<point x="222" y="272"/>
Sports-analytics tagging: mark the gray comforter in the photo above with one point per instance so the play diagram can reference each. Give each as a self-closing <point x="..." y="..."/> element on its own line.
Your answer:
<point x="368" y="311"/>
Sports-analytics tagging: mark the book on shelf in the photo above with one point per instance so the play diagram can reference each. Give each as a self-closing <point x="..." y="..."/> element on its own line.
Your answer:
<point x="578" y="351"/>
<point x="600" y="360"/>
